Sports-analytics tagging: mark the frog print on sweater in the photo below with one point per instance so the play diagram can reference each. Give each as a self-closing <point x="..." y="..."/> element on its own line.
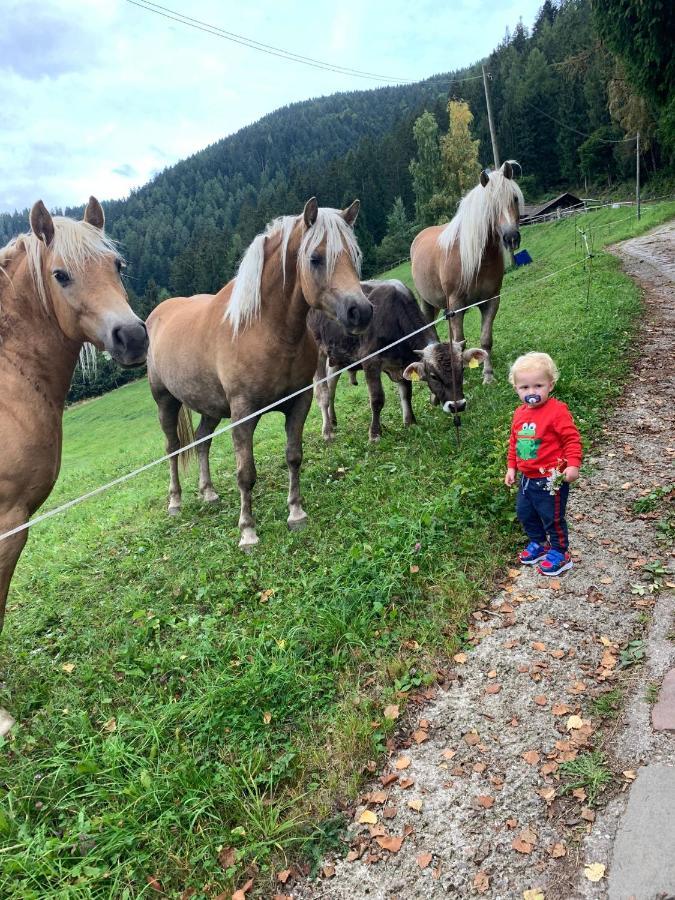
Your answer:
<point x="527" y="446"/>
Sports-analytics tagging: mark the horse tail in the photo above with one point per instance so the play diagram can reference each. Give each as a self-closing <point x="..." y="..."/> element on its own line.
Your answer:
<point x="186" y="435"/>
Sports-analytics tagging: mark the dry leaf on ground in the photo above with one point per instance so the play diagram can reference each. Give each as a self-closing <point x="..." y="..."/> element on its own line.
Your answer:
<point x="594" y="871"/>
<point x="391" y="711"/>
<point x="402" y="762"/>
<point x="423" y="859"/>
<point x="390" y="843"/>
<point x="481" y="882"/>
<point x="368" y="817"/>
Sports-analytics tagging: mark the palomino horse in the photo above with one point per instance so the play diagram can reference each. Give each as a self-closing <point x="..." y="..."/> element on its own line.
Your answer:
<point x="60" y="286"/>
<point x="232" y="353"/>
<point x="462" y="262"/>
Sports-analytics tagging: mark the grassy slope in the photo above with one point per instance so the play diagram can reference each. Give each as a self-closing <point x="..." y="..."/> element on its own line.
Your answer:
<point x="228" y="702"/>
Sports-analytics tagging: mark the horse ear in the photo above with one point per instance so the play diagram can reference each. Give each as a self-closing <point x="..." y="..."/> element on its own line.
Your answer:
<point x="484" y="177"/>
<point x="94" y="213"/>
<point x="41" y="223"/>
<point x="310" y="212"/>
<point x="350" y="214"/>
<point x="507" y="170"/>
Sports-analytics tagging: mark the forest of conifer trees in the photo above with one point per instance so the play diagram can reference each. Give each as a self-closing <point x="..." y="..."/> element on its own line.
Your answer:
<point x="566" y="94"/>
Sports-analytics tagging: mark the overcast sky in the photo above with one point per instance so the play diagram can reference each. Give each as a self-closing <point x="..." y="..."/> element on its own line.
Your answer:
<point x="99" y="95"/>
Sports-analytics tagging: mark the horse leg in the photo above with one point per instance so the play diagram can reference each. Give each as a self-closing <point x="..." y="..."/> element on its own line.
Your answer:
<point x="296" y="414"/>
<point x="323" y="398"/>
<point x="242" y="439"/>
<point x="488" y="313"/>
<point x="168" y="408"/>
<point x="207" y="426"/>
<point x="429" y="312"/>
<point x="332" y="388"/>
<point x="405" y="393"/>
<point x="376" y="394"/>
<point x="10" y="550"/>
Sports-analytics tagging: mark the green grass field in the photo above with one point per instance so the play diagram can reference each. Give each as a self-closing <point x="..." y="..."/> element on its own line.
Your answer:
<point x="176" y="697"/>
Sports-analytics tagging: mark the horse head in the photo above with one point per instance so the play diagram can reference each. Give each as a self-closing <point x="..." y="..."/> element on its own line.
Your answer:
<point x="442" y="366"/>
<point x="510" y="199"/>
<point x="329" y="265"/>
<point x="78" y="268"/>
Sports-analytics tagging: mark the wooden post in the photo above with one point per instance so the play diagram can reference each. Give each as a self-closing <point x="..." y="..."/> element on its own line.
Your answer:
<point x="495" y="152"/>
<point x="637" y="176"/>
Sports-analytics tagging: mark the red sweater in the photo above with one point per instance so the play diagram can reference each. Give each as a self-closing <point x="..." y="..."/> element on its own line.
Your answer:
<point x="542" y="437"/>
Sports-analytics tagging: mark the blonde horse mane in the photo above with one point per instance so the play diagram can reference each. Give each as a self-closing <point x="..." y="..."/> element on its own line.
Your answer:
<point x="478" y="215"/>
<point x="75" y="243"/>
<point x="246" y="299"/>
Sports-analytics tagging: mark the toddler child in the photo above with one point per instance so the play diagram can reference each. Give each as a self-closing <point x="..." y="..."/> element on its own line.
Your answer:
<point x="545" y="448"/>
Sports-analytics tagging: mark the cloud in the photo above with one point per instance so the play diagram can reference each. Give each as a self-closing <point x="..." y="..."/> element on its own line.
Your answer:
<point x="126" y="170"/>
<point x="37" y="41"/>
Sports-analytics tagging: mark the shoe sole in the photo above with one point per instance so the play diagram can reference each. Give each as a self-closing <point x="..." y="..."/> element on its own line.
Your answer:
<point x="532" y="562"/>
<point x="559" y="571"/>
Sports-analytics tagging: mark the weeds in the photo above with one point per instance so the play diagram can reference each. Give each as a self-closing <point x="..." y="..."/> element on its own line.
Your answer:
<point x="608" y="705"/>
<point x="588" y="771"/>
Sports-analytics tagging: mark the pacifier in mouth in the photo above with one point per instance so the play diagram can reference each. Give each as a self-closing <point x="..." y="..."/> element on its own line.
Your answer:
<point x="531" y="399"/>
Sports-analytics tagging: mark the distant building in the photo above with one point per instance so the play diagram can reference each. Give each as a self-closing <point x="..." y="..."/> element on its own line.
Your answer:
<point x="550" y="209"/>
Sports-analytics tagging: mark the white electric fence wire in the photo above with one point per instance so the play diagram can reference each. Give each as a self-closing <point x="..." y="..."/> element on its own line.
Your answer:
<point x="253" y="415"/>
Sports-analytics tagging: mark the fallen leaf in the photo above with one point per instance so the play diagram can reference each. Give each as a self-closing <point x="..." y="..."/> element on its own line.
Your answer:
<point x="541" y="700"/>
<point x="557" y="850"/>
<point x="574" y="722"/>
<point x="448" y="753"/>
<point x="241" y="893"/>
<point x="367" y="817"/>
<point x="414" y="570"/>
<point x="388" y="779"/>
<point x="533" y="894"/>
<point x="511" y="823"/>
<point x="485" y="800"/>
<point x="460" y="658"/>
<point x="391" y="711"/>
<point x="389" y="812"/>
<point x="284" y="876"/>
<point x="352" y="855"/>
<point x="492" y="673"/>
<point x="560" y="709"/>
<point x="479" y="767"/>
<point x="267" y="717"/>
<point x="416" y="805"/>
<point x="521" y="845"/>
<point x="493" y="688"/>
<point x="605" y="580"/>
<point x="378" y="797"/>
<point x="406" y="783"/>
<point x="110" y="726"/>
<point x="265" y="595"/>
<point x="578" y="687"/>
<point x="549" y="768"/>
<point x="629" y="774"/>
<point x="538" y="645"/>
<point x="423" y="859"/>
<point x="328" y="871"/>
<point x="554" y="584"/>
<point x="531" y="757"/>
<point x="481" y="882"/>
<point x="228" y="857"/>
<point x="154" y="884"/>
<point x="420" y="736"/>
<point x="594" y="872"/>
<point x="579" y="794"/>
<point x="587" y="814"/>
<point x="557" y="654"/>
<point x="390" y="843"/>
<point x="68" y="667"/>
<point x="471" y="738"/>
<point x="513" y="573"/>
<point x="402" y="762"/>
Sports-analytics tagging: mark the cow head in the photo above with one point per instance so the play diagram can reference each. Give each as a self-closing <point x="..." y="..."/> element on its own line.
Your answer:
<point x="444" y="373"/>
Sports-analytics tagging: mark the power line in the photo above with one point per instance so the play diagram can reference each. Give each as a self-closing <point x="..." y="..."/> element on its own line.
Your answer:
<point x="279" y="52"/>
<point x="582" y="133"/>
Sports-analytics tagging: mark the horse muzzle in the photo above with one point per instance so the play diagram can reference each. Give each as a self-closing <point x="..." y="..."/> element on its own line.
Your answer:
<point x="511" y="239"/>
<point x="355" y="314"/>
<point x="129" y="344"/>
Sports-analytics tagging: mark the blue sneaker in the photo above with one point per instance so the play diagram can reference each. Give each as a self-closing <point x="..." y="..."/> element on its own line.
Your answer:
<point x="533" y="553"/>
<point x="554" y="563"/>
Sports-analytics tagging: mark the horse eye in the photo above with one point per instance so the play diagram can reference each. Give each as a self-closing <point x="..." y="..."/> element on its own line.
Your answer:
<point x="61" y="276"/>
<point x="316" y="259"/>
<point x="120" y="265"/>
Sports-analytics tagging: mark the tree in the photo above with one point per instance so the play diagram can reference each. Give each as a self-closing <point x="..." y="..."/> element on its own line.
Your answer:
<point x="459" y="154"/>
<point x="395" y="245"/>
<point x="426" y="169"/>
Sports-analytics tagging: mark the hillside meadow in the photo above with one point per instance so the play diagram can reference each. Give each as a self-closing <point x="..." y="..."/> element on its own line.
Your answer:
<point x="188" y="713"/>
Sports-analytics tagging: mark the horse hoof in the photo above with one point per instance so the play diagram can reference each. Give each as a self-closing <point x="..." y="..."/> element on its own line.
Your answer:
<point x="488" y="379"/>
<point x="298" y="523"/>
<point x="209" y="496"/>
<point x="375" y="438"/>
<point x="433" y="399"/>
<point x="6" y="722"/>
<point x="173" y="510"/>
<point x="329" y="437"/>
<point x="248" y="540"/>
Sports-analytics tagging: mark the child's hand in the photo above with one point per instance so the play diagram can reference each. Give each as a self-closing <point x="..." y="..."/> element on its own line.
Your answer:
<point x="571" y="474"/>
<point x="510" y="477"/>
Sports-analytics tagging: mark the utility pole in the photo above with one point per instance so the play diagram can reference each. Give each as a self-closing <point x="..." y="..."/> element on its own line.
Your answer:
<point x="637" y="176"/>
<point x="495" y="152"/>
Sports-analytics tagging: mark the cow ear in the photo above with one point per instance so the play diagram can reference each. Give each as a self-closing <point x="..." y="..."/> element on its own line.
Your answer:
<point x="310" y="212"/>
<point x="507" y="170"/>
<point x="350" y="214"/>
<point x="484" y="177"/>
<point x="415" y="372"/>
<point x="41" y="223"/>
<point x="94" y="215"/>
<point x="474" y="357"/>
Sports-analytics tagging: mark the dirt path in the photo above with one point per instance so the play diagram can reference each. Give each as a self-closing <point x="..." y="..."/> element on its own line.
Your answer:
<point x="470" y="803"/>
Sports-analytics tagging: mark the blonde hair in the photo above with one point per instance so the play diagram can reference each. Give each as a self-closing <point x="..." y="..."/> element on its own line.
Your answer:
<point x="528" y="362"/>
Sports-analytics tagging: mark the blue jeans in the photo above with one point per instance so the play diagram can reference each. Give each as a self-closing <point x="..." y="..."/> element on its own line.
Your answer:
<point x="541" y="514"/>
